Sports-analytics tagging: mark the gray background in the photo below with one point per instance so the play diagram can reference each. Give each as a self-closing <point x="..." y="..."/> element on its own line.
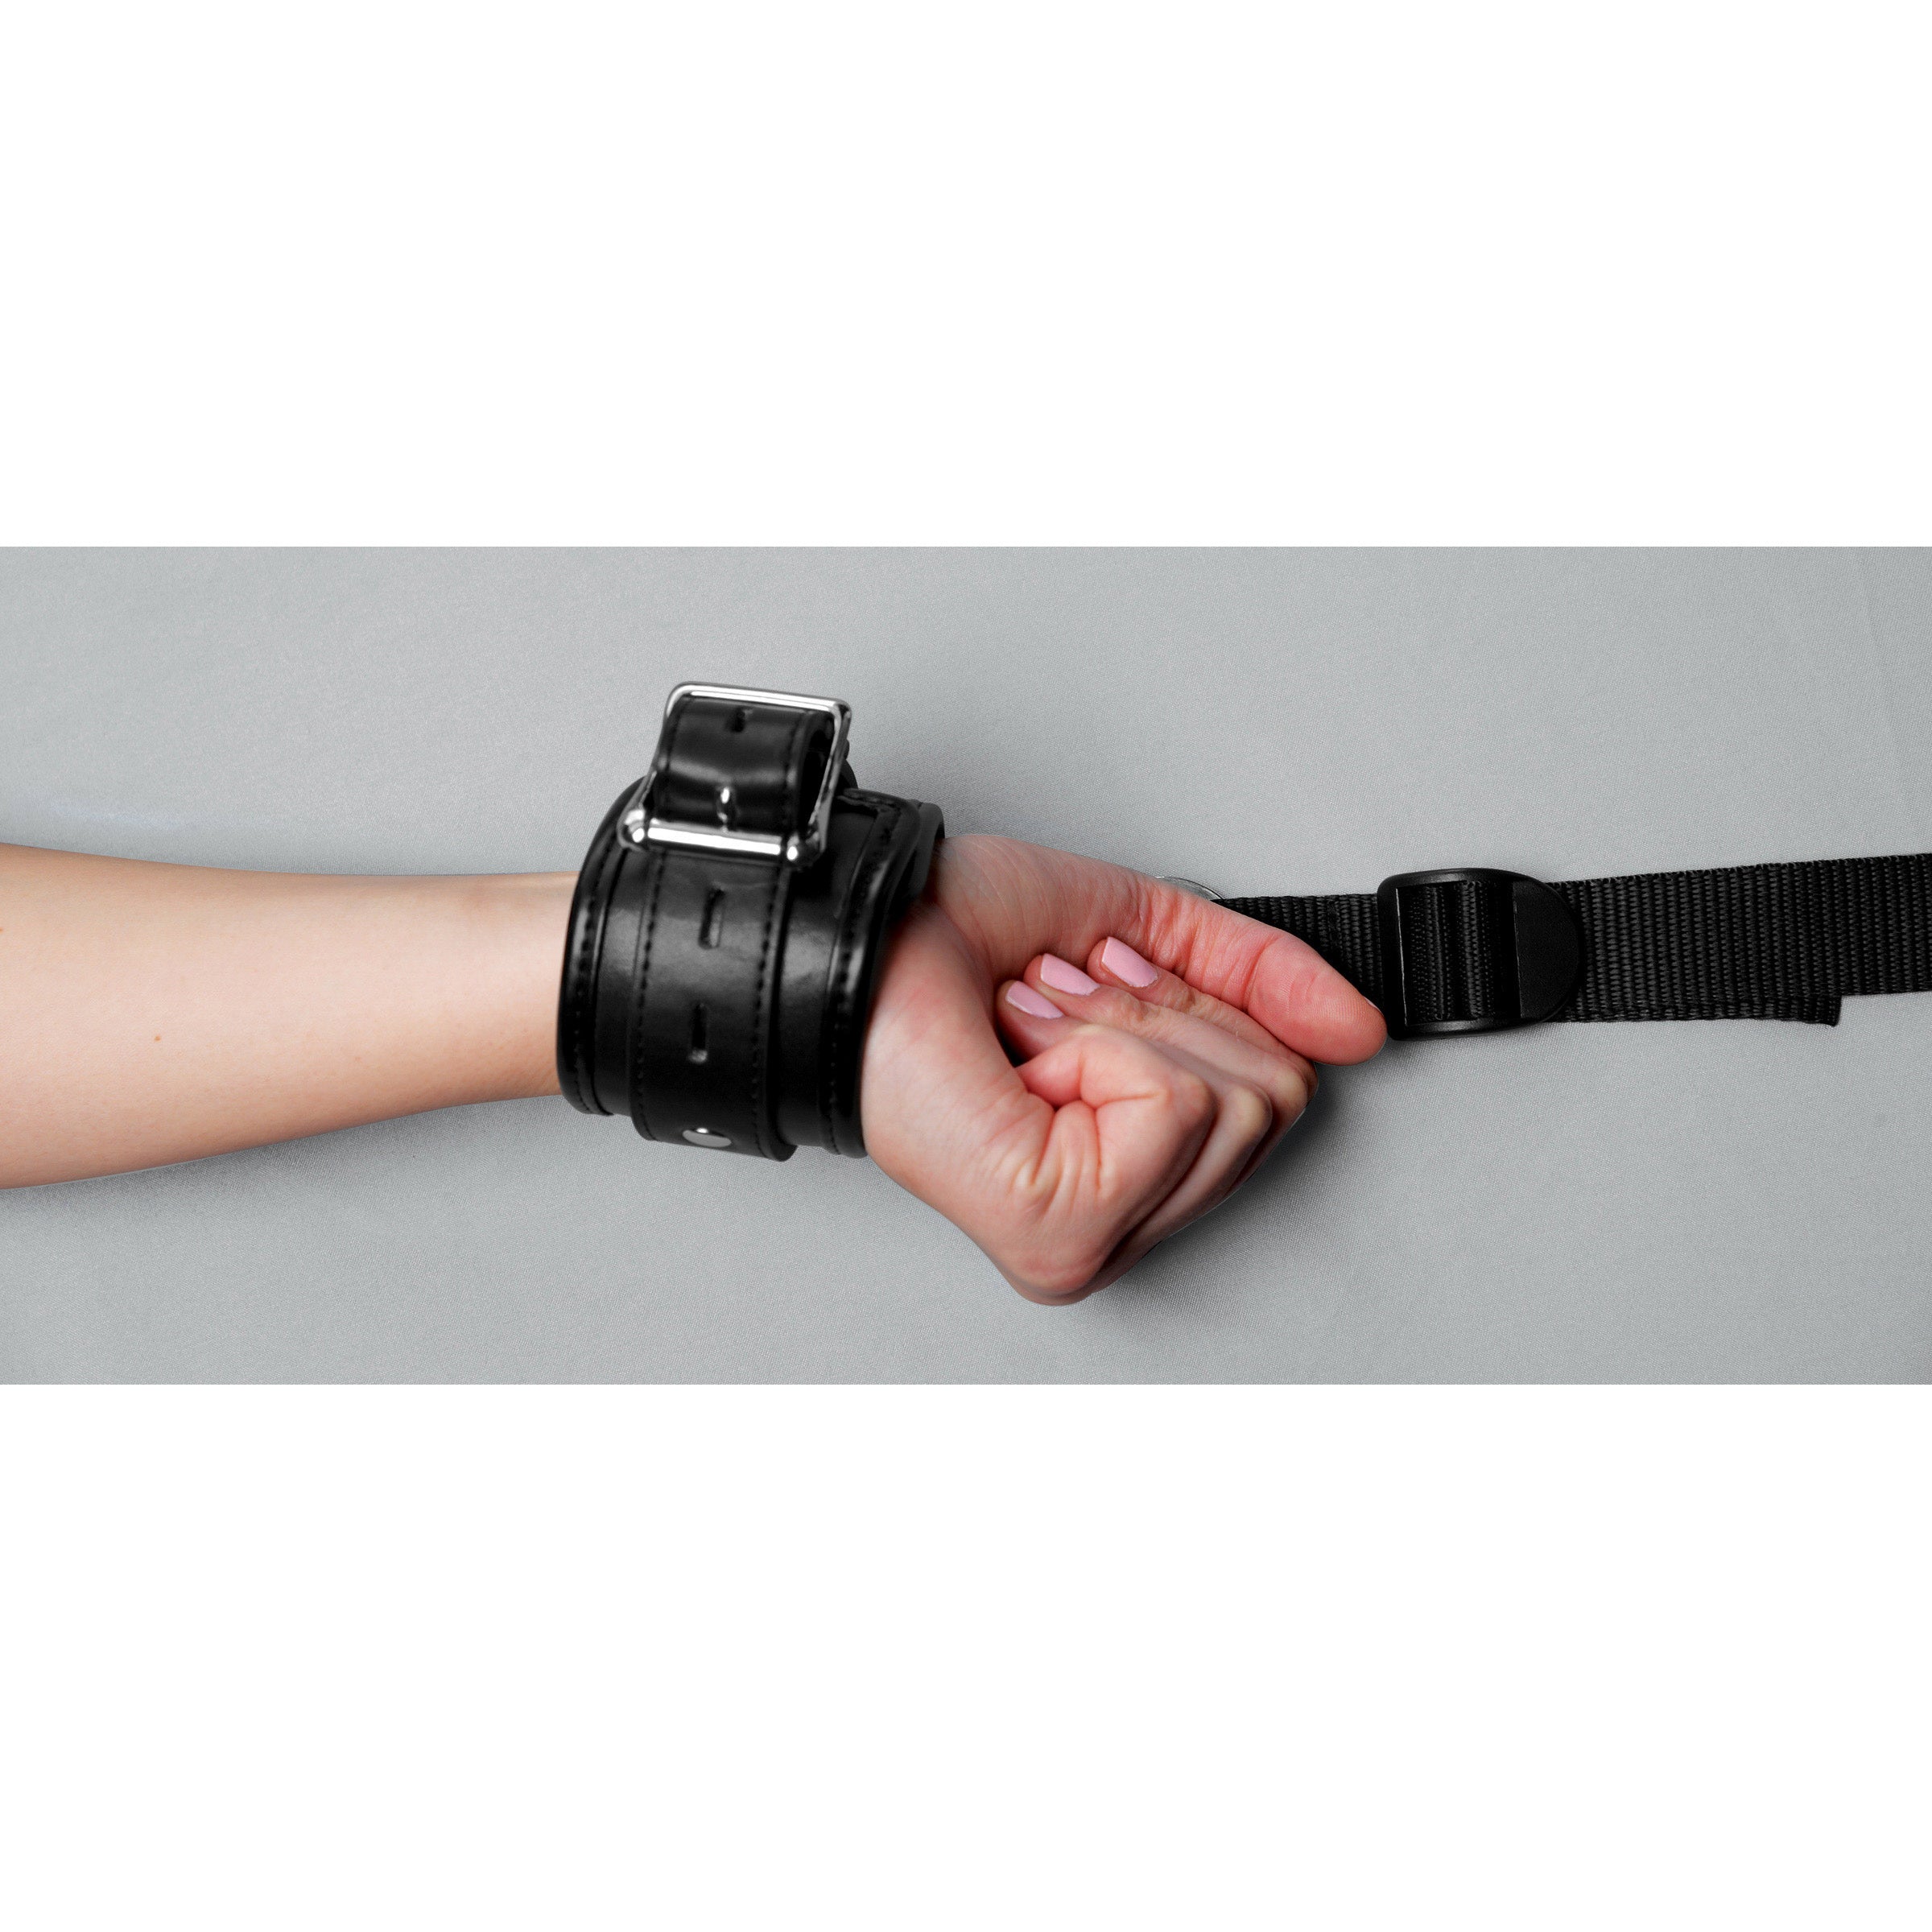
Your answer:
<point x="1657" y="1202"/>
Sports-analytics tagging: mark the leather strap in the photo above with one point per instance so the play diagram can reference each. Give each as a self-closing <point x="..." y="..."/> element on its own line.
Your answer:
<point x="715" y="989"/>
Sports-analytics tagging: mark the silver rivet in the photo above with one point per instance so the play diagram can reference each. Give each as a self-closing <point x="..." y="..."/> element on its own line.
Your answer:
<point x="726" y="797"/>
<point x="702" y="1137"/>
<point x="633" y="827"/>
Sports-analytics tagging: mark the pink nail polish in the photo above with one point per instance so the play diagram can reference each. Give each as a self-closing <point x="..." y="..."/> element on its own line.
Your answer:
<point x="1120" y="960"/>
<point x="1022" y="996"/>
<point x="1063" y="978"/>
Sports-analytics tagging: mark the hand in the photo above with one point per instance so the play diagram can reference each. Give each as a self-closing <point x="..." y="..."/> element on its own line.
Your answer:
<point x="1150" y="1086"/>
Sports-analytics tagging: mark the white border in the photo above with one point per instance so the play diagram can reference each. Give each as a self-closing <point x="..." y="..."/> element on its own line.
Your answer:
<point x="1044" y="273"/>
<point x="959" y="1657"/>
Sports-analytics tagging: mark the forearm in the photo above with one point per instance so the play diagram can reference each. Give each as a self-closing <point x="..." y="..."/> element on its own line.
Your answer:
<point x="151" y="1014"/>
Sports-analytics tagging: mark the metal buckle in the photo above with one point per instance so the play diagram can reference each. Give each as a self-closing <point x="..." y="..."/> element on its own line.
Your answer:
<point x="1534" y="944"/>
<point x="640" y="828"/>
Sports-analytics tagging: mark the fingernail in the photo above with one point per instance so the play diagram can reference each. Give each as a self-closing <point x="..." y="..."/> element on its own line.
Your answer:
<point x="1063" y="978"/>
<point x="1022" y="996"/>
<point x="1120" y="960"/>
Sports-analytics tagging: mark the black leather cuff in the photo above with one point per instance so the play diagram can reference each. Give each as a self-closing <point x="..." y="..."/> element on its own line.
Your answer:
<point x="728" y="926"/>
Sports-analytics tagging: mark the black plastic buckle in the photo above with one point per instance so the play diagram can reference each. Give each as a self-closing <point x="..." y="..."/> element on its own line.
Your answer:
<point x="1533" y="945"/>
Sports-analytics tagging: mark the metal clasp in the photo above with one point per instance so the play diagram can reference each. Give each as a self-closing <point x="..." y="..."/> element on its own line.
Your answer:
<point x="641" y="827"/>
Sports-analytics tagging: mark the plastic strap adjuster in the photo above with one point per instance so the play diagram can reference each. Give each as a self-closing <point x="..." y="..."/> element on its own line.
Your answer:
<point x="1528" y="942"/>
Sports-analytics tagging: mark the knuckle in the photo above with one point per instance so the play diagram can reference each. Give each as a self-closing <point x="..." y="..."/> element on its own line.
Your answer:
<point x="1050" y="1271"/>
<point x="1289" y="1091"/>
<point x="1115" y="1008"/>
<point x="1191" y="1097"/>
<point x="1250" y="1112"/>
<point x="1200" y="1005"/>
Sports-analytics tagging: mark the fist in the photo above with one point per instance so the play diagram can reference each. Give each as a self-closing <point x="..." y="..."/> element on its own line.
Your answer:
<point x="1071" y="1061"/>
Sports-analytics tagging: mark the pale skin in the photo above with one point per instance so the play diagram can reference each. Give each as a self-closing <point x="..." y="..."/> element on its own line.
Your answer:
<point x="151" y="1014"/>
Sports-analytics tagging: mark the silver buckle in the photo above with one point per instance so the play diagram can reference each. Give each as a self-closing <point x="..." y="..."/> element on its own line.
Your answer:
<point x="640" y="828"/>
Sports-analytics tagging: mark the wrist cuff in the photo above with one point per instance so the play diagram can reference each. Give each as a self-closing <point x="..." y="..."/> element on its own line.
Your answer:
<point x="728" y="928"/>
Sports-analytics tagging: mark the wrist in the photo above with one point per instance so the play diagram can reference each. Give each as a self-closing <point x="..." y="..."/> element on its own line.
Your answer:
<point x="521" y="919"/>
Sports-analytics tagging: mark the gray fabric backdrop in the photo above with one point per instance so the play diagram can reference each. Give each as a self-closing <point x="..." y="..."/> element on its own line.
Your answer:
<point x="1714" y="1201"/>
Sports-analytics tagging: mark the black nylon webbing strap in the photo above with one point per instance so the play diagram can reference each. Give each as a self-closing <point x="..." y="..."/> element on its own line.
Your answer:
<point x="1742" y="942"/>
<point x="1341" y="926"/>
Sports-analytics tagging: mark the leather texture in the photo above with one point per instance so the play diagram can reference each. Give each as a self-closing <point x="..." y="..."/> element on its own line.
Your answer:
<point x="743" y="767"/>
<point x="720" y="999"/>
